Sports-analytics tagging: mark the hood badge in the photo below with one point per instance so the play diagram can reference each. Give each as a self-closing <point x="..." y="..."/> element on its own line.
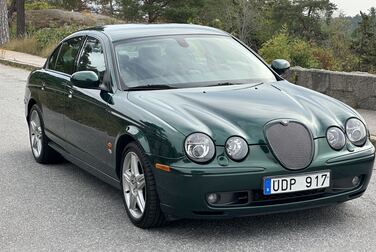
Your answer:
<point x="285" y="122"/>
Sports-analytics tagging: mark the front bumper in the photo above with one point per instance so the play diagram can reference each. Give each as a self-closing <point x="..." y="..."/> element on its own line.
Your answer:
<point x="183" y="191"/>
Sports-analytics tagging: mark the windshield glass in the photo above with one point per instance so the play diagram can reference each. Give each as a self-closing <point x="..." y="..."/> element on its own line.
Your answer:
<point x="188" y="61"/>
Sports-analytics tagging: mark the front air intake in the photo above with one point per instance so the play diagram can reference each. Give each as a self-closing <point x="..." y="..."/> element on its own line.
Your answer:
<point x="291" y="143"/>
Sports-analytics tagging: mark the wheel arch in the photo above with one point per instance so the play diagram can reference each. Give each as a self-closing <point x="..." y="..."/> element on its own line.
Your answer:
<point x="30" y="104"/>
<point x="132" y="134"/>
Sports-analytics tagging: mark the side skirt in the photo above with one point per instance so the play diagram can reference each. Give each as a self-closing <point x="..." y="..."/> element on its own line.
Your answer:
<point x="85" y="166"/>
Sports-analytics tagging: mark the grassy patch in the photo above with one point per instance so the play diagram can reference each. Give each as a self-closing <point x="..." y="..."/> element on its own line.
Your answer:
<point x="41" y="42"/>
<point x="30" y="46"/>
<point x="26" y="45"/>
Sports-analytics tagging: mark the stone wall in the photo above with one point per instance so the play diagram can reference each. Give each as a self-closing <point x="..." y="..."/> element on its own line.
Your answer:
<point x="355" y="89"/>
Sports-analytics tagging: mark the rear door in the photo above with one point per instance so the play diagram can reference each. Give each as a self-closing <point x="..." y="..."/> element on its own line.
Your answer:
<point x="55" y="84"/>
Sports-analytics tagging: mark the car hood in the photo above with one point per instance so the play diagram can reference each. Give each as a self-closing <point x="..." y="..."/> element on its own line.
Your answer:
<point x="242" y="110"/>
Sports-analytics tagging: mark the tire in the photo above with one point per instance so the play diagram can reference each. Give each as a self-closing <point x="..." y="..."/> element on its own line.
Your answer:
<point x="40" y="149"/>
<point x="136" y="187"/>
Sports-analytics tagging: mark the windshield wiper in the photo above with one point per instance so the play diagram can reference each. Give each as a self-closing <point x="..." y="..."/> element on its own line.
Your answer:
<point x="227" y="83"/>
<point x="150" y="87"/>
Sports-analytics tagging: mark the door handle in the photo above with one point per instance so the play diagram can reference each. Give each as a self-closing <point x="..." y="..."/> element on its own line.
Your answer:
<point x="43" y="86"/>
<point x="70" y="94"/>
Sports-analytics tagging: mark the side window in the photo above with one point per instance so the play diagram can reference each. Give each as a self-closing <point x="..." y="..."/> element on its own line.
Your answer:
<point x="52" y="60"/>
<point x="69" y="50"/>
<point x="92" y="58"/>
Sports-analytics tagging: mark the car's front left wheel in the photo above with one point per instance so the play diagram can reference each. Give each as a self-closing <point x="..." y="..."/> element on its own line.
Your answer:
<point x="139" y="189"/>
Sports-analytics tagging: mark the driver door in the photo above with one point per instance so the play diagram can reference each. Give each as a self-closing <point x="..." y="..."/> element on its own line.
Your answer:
<point x="85" y="113"/>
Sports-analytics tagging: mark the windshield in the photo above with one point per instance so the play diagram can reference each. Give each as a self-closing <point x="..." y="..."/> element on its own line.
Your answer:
<point x="188" y="61"/>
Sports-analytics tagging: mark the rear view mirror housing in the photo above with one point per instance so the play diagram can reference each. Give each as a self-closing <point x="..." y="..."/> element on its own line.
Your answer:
<point x="280" y="66"/>
<point x="85" y="79"/>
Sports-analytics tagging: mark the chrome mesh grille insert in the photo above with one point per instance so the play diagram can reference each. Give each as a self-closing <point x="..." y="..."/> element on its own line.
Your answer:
<point x="291" y="144"/>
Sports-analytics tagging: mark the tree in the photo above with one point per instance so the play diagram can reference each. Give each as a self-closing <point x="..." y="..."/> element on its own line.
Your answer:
<point x="154" y="8"/>
<point x="77" y="5"/>
<point x="4" y="28"/>
<point x="153" y="11"/>
<point x="365" y="42"/>
<point x="130" y="10"/>
<point x="339" y="40"/>
<point x="248" y="20"/>
<point x="149" y="10"/>
<point x="21" y="27"/>
<point x="217" y="13"/>
<point x="105" y="6"/>
<point x="242" y="18"/>
<point x="183" y="11"/>
<point x="302" y="17"/>
<point x="11" y="10"/>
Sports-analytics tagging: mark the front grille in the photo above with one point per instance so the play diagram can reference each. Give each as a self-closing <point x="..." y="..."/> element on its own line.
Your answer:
<point x="291" y="144"/>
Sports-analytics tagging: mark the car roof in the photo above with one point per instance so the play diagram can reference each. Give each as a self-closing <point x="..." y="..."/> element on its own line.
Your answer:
<point x="129" y="31"/>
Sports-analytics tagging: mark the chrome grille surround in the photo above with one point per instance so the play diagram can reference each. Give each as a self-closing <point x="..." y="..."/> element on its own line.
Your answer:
<point x="291" y="143"/>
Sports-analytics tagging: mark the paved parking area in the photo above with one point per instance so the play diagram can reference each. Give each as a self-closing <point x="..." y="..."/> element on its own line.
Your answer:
<point x="60" y="207"/>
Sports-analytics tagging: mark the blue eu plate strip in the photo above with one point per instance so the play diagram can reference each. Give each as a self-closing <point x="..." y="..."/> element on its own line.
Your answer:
<point x="267" y="186"/>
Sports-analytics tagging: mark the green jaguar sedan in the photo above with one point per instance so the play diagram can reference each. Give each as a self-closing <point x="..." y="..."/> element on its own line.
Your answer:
<point x="189" y="122"/>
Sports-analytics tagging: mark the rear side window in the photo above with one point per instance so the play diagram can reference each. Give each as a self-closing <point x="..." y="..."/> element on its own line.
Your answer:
<point x="68" y="54"/>
<point x="52" y="60"/>
<point x="92" y="58"/>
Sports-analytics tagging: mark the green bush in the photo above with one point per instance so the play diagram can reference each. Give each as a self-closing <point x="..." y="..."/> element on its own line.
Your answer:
<point x="301" y="54"/>
<point x="326" y="59"/>
<point x="47" y="36"/>
<point x="40" y="5"/>
<point x="298" y="52"/>
<point x="276" y="48"/>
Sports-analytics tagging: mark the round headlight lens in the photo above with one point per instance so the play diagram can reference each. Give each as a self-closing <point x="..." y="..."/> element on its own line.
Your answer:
<point x="336" y="138"/>
<point x="356" y="131"/>
<point x="199" y="147"/>
<point x="236" y="148"/>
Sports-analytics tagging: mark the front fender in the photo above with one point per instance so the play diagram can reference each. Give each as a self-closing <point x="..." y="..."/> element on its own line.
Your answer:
<point x="134" y="133"/>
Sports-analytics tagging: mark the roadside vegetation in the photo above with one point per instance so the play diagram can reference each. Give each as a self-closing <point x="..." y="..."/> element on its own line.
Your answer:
<point x="305" y="32"/>
<point x="40" y="42"/>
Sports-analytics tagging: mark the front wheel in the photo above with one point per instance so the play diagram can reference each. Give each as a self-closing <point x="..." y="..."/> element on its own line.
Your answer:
<point x="139" y="189"/>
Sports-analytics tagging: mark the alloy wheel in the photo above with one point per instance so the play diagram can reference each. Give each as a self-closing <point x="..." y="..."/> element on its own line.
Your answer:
<point x="36" y="134"/>
<point x="134" y="187"/>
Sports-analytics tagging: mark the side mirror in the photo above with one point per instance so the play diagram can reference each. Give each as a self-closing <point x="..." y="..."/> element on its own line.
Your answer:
<point x="85" y="79"/>
<point x="280" y="66"/>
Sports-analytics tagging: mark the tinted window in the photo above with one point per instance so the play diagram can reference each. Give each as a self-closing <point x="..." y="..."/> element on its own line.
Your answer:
<point x="189" y="60"/>
<point x="52" y="60"/>
<point x="92" y="58"/>
<point x="68" y="53"/>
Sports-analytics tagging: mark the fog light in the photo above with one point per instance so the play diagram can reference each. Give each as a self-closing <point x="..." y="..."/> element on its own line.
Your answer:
<point x="355" y="180"/>
<point x="212" y="198"/>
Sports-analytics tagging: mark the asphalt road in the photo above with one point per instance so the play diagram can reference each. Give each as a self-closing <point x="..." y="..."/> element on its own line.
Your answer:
<point x="60" y="207"/>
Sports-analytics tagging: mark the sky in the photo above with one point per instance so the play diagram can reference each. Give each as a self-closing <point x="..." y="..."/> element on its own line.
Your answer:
<point x="353" y="7"/>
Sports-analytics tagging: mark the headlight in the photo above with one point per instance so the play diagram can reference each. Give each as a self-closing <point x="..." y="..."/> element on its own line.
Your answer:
<point x="236" y="148"/>
<point x="356" y="131"/>
<point x="336" y="138"/>
<point x="199" y="147"/>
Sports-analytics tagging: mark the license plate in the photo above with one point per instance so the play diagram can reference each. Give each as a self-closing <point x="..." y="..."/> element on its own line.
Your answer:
<point x="297" y="183"/>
